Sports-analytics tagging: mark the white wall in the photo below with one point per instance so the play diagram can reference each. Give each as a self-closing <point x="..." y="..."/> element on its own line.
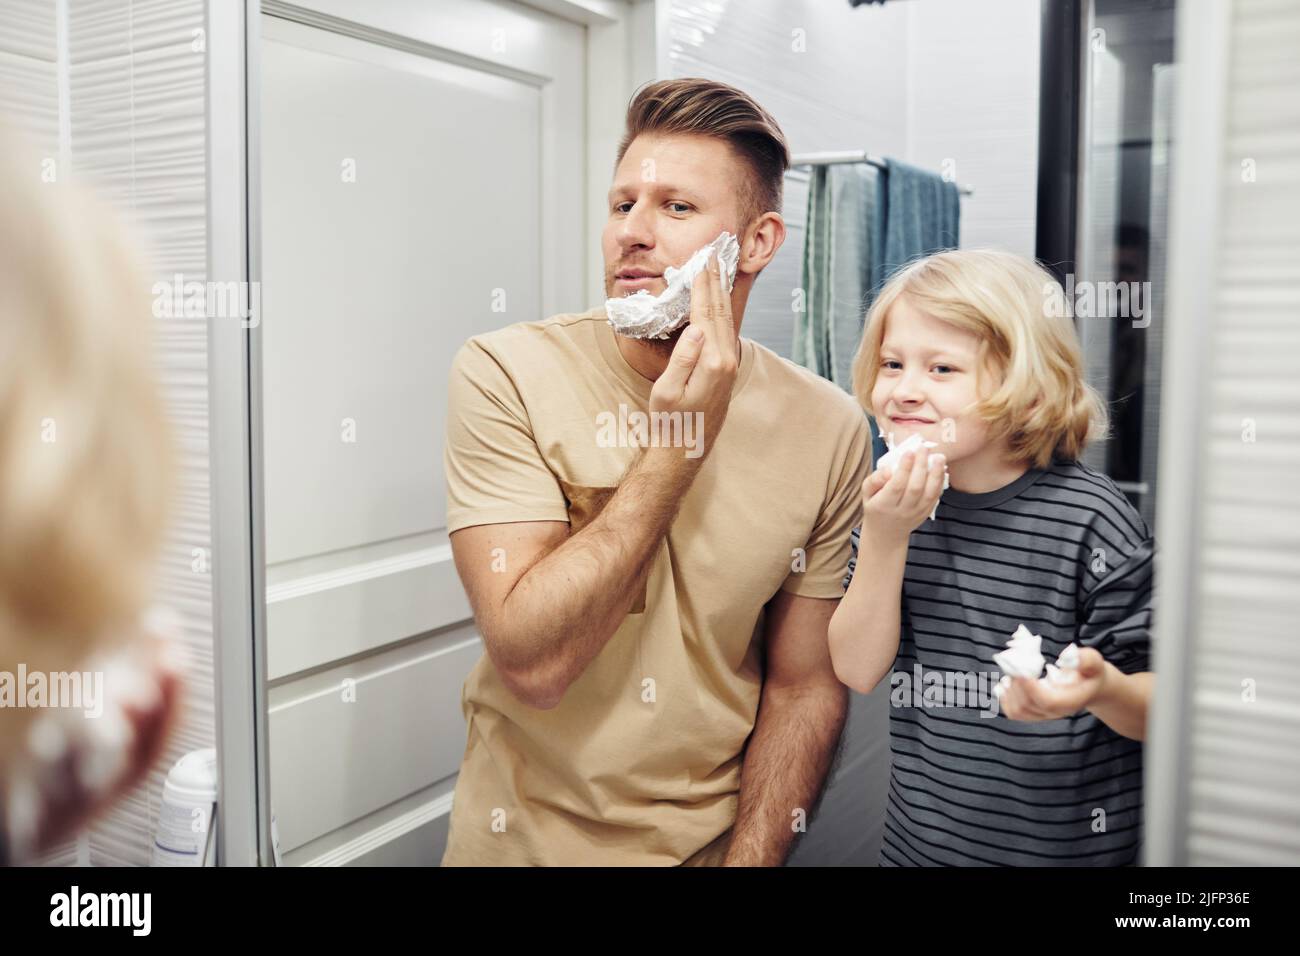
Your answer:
<point x="833" y="77"/>
<point x="972" y="90"/>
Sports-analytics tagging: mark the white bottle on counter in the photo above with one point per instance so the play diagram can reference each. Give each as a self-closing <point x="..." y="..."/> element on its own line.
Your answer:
<point x="187" y="817"/>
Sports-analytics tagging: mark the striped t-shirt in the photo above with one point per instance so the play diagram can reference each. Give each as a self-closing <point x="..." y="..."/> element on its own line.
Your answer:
<point x="1061" y="551"/>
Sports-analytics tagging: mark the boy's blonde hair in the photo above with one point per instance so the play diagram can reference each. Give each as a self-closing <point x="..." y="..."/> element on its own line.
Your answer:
<point x="86" y="454"/>
<point x="1041" y="404"/>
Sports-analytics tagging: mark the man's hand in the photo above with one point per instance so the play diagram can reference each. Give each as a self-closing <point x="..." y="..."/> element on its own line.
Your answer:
<point x="702" y="368"/>
<point x="895" y="503"/>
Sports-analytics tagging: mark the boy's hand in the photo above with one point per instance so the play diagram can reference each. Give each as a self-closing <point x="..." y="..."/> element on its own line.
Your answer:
<point x="894" y="504"/>
<point x="1028" y="699"/>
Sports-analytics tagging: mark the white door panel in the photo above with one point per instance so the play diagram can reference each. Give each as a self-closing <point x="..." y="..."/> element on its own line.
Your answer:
<point x="324" y="617"/>
<point x="417" y="162"/>
<point x="349" y="741"/>
<point x="368" y="283"/>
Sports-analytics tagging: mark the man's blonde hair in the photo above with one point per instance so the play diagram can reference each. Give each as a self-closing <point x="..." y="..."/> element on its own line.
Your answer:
<point x="86" y="466"/>
<point x="1039" y="401"/>
<point x="695" y="106"/>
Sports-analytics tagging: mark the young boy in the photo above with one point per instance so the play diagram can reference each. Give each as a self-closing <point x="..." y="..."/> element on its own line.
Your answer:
<point x="966" y="350"/>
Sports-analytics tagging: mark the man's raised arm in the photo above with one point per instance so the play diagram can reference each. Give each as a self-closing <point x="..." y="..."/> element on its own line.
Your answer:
<point x="564" y="595"/>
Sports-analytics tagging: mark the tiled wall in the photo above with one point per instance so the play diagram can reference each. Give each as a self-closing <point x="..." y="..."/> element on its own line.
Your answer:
<point x="923" y="81"/>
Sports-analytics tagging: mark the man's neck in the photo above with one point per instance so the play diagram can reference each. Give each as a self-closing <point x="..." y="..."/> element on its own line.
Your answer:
<point x="649" y="359"/>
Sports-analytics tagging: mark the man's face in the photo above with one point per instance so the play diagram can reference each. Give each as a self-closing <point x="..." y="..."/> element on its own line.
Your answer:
<point x="671" y="195"/>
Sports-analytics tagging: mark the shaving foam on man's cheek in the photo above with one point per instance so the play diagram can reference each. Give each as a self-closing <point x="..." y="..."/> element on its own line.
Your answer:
<point x="645" y="316"/>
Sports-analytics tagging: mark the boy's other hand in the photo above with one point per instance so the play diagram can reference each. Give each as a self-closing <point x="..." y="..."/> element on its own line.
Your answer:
<point x="1030" y="699"/>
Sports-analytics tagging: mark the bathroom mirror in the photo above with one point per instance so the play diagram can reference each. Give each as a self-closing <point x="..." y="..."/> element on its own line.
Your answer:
<point x="431" y="172"/>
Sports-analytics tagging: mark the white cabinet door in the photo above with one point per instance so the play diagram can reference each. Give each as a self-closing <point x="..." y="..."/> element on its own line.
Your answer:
<point x="418" y="171"/>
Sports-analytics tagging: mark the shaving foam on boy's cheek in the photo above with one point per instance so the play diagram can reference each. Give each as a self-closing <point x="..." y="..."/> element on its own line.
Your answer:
<point x="644" y="316"/>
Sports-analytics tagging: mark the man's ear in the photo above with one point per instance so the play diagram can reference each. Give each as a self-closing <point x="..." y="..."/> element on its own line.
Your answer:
<point x="760" y="242"/>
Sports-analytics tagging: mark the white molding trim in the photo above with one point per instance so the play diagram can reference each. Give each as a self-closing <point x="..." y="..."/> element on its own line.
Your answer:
<point x="583" y="12"/>
<point x="357" y="573"/>
<point x="332" y="689"/>
<point x="386" y="833"/>
<point x="395" y="41"/>
<point x="313" y="617"/>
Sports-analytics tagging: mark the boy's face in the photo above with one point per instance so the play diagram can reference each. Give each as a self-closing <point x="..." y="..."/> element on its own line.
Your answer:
<point x="670" y="196"/>
<point x="927" y="382"/>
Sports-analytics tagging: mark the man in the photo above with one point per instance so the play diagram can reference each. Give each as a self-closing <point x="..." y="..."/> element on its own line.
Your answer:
<point x="647" y="609"/>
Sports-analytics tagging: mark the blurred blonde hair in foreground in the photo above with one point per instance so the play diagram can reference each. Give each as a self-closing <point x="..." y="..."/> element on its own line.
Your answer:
<point x="86" y="457"/>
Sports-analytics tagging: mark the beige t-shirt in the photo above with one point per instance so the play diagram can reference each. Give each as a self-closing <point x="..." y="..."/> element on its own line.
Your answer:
<point x="639" y="763"/>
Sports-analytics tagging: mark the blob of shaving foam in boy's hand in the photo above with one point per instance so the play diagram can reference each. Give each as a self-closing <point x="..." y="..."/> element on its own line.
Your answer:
<point x="1023" y="657"/>
<point x="894" y="456"/>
